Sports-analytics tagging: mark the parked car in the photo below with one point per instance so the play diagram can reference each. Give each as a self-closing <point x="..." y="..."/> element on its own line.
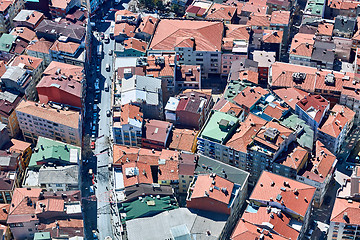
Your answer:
<point x="92" y="145"/>
<point x="108" y="67"/>
<point x="106" y="86"/>
<point x="108" y="113"/>
<point x="110" y="52"/>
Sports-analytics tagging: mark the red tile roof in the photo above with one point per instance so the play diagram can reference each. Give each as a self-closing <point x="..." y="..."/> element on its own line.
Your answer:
<point x="337" y="120"/>
<point x="20" y="210"/>
<point x="249" y="96"/>
<point x="345" y="212"/>
<point x="24" y="33"/>
<point x="133" y="43"/>
<point x="2" y="68"/>
<point x="65" y="47"/>
<point x="221" y="12"/>
<point x="157" y="130"/>
<point x="205" y="183"/>
<point x="183" y="139"/>
<point x="259" y="20"/>
<point x="237" y="32"/>
<point x="169" y="170"/>
<point x="147" y="25"/>
<point x="207" y="35"/>
<point x="280" y="17"/>
<point x="325" y="29"/>
<point x="157" y="70"/>
<point x="4" y="5"/>
<point x="3" y="214"/>
<point x="128" y="112"/>
<point x="302" y="44"/>
<point x="65" y="69"/>
<point x="123" y="153"/>
<point x="246" y="230"/>
<point x="343" y="4"/>
<point x="51" y="205"/>
<point x="142" y="174"/>
<point x="297" y="196"/>
<point x="124" y="28"/>
<point x="273" y="36"/>
<point x="255" y="7"/>
<point x="290" y="95"/>
<point x="30" y="62"/>
<point x="42" y="46"/>
<point x="60" y="4"/>
<point x="245" y="133"/>
<point x="19" y="146"/>
<point x="279" y="222"/>
<point x="294" y="159"/>
<point x="320" y="166"/>
<point x="225" y="106"/>
<point x="314" y="105"/>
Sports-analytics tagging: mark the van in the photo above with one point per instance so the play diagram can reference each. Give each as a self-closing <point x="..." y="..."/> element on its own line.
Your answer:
<point x="107" y="67"/>
<point x="106" y="86"/>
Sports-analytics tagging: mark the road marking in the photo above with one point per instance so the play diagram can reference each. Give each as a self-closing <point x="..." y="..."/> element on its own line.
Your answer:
<point x="100" y="153"/>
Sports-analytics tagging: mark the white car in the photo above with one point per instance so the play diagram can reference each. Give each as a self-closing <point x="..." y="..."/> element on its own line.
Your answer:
<point x="110" y="52"/>
<point x="108" y="67"/>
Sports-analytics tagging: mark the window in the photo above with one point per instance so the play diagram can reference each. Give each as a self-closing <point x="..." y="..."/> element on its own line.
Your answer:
<point x="183" y="181"/>
<point x="29" y="229"/>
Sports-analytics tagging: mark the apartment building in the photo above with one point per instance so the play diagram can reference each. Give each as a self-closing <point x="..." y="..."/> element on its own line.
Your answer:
<point x="49" y="121"/>
<point x="40" y="49"/>
<point x="68" y="52"/>
<point x="127" y="125"/>
<point x="28" y="18"/>
<point x="8" y="103"/>
<point x="156" y="134"/>
<point x="334" y="130"/>
<point x="201" y="44"/>
<point x="290" y="196"/>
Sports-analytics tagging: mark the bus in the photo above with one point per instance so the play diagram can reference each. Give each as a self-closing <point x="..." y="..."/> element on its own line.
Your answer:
<point x="99" y="50"/>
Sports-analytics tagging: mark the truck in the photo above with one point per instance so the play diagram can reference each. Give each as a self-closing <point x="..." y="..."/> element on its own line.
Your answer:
<point x="99" y="50"/>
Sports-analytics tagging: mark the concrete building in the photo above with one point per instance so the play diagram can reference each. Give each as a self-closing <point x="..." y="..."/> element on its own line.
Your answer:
<point x="217" y="130"/>
<point x="290" y="196"/>
<point x="19" y="79"/>
<point x="127" y="125"/>
<point x="187" y="165"/>
<point x="312" y="110"/>
<point x="8" y="103"/>
<point x="334" y="130"/>
<point x="62" y="83"/>
<point x="33" y="64"/>
<point x="40" y="49"/>
<point x="344" y="223"/>
<point x="68" y="52"/>
<point x="264" y="59"/>
<point x="49" y="121"/>
<point x="156" y="134"/>
<point x="195" y="48"/>
<point x="319" y="172"/>
<point x="4" y="135"/>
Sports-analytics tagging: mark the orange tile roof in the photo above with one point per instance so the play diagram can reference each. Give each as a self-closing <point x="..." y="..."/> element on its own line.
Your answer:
<point x="337" y="120"/>
<point x="249" y="75"/>
<point x="182" y="139"/>
<point x="157" y="130"/>
<point x="343" y="4"/>
<point x="66" y="47"/>
<point x="61" y="4"/>
<point x="65" y="69"/>
<point x="124" y="28"/>
<point x="161" y="71"/>
<point x="133" y="43"/>
<point x="129" y="111"/>
<point x="275" y="111"/>
<point x="19" y="146"/>
<point x="325" y="29"/>
<point x="143" y="174"/>
<point x="147" y="25"/>
<point x="245" y="133"/>
<point x="51" y="204"/>
<point x="290" y="95"/>
<point x="3" y="214"/>
<point x="294" y="159"/>
<point x="259" y="20"/>
<point x="207" y="35"/>
<point x="315" y="103"/>
<point x="245" y="230"/>
<point x="30" y="62"/>
<point x="204" y="183"/>
<point x="252" y="7"/>
<point x="221" y="12"/>
<point x="67" y="118"/>
<point x="169" y="170"/>
<point x="2" y="68"/>
<point x="342" y="206"/>
<point x="297" y="196"/>
<point x="321" y="164"/>
<point x="24" y="33"/>
<point x="273" y="36"/>
<point x="280" y="17"/>
<point x="19" y="203"/>
<point x="237" y="32"/>
<point x="225" y="106"/>
<point x="302" y="44"/>
<point x="123" y="153"/>
<point x="249" y="96"/>
<point x="280" y="223"/>
<point x="42" y="46"/>
<point x="4" y="5"/>
<point x="282" y="77"/>
<point x="283" y="131"/>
